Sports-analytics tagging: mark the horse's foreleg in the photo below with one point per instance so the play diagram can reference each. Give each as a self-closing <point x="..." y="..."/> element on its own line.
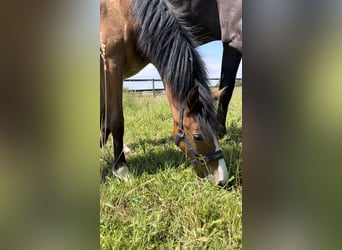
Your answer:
<point x="115" y="117"/>
<point x="230" y="63"/>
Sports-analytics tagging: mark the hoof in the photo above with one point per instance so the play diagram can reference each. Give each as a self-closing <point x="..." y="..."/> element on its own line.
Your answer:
<point x="121" y="173"/>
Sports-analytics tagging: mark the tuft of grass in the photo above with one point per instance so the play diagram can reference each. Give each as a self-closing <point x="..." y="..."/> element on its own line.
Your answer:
<point x="165" y="205"/>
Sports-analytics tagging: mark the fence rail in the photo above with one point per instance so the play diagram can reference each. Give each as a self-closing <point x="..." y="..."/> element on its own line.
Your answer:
<point x="150" y="85"/>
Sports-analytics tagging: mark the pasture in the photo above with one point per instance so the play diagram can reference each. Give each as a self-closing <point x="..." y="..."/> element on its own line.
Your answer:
<point x="165" y="205"/>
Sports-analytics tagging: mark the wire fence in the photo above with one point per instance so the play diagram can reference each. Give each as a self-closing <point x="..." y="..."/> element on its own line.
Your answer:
<point x="155" y="86"/>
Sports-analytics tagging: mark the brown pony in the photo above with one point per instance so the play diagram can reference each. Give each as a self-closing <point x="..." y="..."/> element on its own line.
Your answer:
<point x="134" y="33"/>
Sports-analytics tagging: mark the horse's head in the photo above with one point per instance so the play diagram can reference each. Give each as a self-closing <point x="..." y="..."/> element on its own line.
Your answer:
<point x="197" y="138"/>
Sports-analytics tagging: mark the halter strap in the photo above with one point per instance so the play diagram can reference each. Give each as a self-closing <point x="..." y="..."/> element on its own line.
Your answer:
<point x="198" y="158"/>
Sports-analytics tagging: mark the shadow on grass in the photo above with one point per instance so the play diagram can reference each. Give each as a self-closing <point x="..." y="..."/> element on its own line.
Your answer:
<point x="147" y="156"/>
<point x="152" y="142"/>
<point x="158" y="154"/>
<point x="158" y="160"/>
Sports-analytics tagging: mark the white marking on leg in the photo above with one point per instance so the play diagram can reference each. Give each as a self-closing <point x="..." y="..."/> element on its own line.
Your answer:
<point x="126" y="149"/>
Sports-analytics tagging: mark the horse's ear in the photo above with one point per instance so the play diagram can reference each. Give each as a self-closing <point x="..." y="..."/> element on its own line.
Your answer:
<point x="192" y="98"/>
<point x="218" y="93"/>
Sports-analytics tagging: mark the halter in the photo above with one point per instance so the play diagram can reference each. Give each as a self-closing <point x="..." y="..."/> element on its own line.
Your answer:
<point x="199" y="158"/>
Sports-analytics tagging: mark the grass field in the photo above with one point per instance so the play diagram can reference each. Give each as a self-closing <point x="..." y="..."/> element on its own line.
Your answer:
<point x="165" y="205"/>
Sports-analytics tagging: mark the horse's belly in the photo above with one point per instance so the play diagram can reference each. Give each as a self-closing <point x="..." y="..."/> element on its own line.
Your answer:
<point x="131" y="69"/>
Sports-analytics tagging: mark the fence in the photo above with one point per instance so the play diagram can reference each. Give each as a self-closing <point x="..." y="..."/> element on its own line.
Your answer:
<point x="155" y="86"/>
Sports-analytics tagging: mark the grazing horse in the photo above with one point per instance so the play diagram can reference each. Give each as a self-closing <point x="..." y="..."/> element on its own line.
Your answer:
<point x="134" y="33"/>
<point x="211" y="20"/>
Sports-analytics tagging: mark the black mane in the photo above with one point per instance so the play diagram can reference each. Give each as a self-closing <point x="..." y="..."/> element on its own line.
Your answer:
<point x="164" y="39"/>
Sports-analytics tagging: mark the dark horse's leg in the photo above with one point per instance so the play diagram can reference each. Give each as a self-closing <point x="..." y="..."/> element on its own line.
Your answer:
<point x="115" y="118"/>
<point x="230" y="63"/>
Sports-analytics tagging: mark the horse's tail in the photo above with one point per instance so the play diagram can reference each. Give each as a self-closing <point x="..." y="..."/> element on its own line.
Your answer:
<point x="170" y="47"/>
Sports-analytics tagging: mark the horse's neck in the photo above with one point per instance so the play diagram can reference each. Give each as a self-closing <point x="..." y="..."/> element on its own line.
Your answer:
<point x="174" y="105"/>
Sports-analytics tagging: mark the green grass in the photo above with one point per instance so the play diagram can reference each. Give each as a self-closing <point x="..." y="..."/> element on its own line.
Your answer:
<point x="165" y="205"/>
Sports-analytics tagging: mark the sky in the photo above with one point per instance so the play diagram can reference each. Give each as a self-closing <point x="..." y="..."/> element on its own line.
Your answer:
<point x="211" y="54"/>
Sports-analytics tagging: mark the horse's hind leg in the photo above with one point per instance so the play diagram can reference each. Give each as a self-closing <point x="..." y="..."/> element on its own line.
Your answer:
<point x="230" y="63"/>
<point x="115" y="117"/>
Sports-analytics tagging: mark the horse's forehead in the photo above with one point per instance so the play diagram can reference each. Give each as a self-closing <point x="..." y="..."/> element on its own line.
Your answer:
<point x="192" y="124"/>
<point x="195" y="127"/>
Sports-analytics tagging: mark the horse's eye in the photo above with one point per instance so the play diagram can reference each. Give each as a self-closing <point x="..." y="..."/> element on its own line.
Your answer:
<point x="197" y="137"/>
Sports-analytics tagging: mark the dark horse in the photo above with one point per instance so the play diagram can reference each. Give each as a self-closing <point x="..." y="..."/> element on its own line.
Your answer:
<point x="211" y="20"/>
<point x="134" y="33"/>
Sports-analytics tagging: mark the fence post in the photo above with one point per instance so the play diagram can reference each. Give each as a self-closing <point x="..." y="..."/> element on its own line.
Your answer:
<point x="153" y="88"/>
